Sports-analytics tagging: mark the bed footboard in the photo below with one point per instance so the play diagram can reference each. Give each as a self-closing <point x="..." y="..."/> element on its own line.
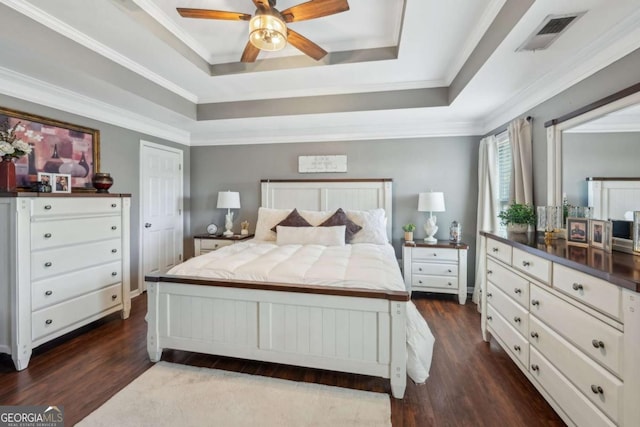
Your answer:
<point x="347" y="333"/>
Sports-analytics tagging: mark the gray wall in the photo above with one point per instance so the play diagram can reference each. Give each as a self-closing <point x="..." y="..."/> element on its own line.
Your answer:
<point x="119" y="155"/>
<point x="597" y="154"/>
<point x="415" y="165"/>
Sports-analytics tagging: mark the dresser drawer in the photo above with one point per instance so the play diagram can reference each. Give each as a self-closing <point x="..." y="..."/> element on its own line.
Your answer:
<point x="49" y="320"/>
<point x="421" y="281"/>
<point x="509" y="282"/>
<point x="499" y="250"/>
<point x="213" y="244"/>
<point x="576" y="405"/>
<point x="434" y="269"/>
<point x="434" y="254"/>
<point x="516" y="315"/>
<point x="517" y="345"/>
<point x="60" y="288"/>
<point x="44" y="206"/>
<point x="52" y="262"/>
<point x="599" y="340"/>
<point x="584" y="373"/>
<point x="590" y="290"/>
<point x="532" y="265"/>
<point x="47" y="234"/>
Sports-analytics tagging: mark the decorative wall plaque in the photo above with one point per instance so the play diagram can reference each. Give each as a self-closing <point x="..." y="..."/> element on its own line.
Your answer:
<point x="322" y="164"/>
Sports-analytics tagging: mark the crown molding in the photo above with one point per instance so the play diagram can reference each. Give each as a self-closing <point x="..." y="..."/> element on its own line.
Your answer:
<point x="62" y="28"/>
<point x="618" y="42"/>
<point x="33" y="90"/>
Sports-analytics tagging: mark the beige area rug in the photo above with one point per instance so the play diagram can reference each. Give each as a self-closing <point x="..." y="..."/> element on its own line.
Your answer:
<point x="177" y="395"/>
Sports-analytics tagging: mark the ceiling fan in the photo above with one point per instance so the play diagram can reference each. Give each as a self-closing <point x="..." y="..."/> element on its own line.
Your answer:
<point x="268" y="29"/>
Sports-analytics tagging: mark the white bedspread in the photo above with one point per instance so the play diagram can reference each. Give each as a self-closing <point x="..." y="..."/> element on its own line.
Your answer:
<point x="360" y="265"/>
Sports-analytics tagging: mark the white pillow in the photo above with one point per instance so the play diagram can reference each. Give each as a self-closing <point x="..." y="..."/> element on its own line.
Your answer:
<point x="326" y="236"/>
<point x="267" y="219"/>
<point x="374" y="226"/>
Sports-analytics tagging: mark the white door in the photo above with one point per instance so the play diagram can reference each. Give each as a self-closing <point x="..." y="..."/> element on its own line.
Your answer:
<point x="160" y="209"/>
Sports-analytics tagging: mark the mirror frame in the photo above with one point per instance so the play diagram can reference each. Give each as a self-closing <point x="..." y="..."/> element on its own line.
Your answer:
<point x="555" y="127"/>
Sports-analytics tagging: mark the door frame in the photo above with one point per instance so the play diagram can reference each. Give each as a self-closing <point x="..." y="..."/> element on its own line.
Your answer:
<point x="141" y="283"/>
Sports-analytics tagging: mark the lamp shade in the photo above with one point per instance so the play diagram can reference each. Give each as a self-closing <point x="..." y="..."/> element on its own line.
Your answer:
<point x="431" y="202"/>
<point x="228" y="200"/>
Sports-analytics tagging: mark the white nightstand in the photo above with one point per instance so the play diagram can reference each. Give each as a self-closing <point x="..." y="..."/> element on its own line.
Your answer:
<point x="203" y="243"/>
<point x="440" y="268"/>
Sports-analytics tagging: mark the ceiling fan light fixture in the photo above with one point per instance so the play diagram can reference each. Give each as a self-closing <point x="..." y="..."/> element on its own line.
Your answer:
<point x="267" y="31"/>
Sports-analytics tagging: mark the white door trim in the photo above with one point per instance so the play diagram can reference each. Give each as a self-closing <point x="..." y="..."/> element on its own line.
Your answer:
<point x="143" y="144"/>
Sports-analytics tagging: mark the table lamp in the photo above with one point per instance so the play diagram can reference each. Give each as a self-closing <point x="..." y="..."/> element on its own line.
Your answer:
<point x="431" y="202"/>
<point x="228" y="200"/>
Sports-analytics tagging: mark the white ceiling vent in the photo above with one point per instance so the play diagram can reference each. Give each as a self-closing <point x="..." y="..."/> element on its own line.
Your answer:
<point x="548" y="31"/>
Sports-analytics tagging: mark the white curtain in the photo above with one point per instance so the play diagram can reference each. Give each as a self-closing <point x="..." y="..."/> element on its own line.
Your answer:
<point x="520" y="136"/>
<point x="487" y="219"/>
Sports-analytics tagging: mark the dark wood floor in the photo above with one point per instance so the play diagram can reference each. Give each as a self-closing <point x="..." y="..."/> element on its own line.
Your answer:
<point x="472" y="383"/>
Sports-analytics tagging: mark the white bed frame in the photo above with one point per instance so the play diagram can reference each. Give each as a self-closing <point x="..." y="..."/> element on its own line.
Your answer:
<point x="349" y="330"/>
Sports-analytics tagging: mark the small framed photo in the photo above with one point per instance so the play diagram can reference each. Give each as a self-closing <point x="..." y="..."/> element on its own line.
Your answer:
<point x="61" y="183"/>
<point x="636" y="231"/>
<point x="46" y="178"/>
<point x="600" y="234"/>
<point x="578" y="231"/>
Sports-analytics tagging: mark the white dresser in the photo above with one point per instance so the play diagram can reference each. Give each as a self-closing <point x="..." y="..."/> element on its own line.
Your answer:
<point x="575" y="335"/>
<point x="64" y="263"/>
<point x="440" y="268"/>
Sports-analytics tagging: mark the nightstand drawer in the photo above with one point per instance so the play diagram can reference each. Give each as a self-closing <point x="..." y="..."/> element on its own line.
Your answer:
<point x="434" y="254"/>
<point x="213" y="244"/>
<point x="421" y="281"/>
<point x="434" y="269"/>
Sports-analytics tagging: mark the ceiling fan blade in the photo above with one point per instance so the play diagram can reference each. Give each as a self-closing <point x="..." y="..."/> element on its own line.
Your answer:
<point x="314" y="9"/>
<point x="305" y="45"/>
<point x="250" y="53"/>
<point x="212" y="14"/>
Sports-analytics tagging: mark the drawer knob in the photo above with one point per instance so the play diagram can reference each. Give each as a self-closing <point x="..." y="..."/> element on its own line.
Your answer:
<point x="48" y="264"/>
<point x="419" y="268"/>
<point x="48" y="321"/>
<point x="535" y="367"/>
<point x="489" y="318"/>
<point x="517" y="319"/>
<point x="113" y="205"/>
<point x="420" y="281"/>
<point x="47" y="207"/>
<point x="449" y="270"/>
<point x="449" y="283"/>
<point x="517" y="291"/>
<point x="435" y="254"/>
<point x="495" y="249"/>
<point x="113" y="251"/>
<point x="47" y="235"/>
<point x="489" y="295"/>
<point x="516" y="347"/>
<point x="114" y="297"/>
<point x="48" y="293"/>
<point x="147" y="225"/>
<point x="113" y="227"/>
<point x="489" y="271"/>
<point x="535" y="302"/>
<point x="577" y="287"/>
<point x="534" y="335"/>
<point x="597" y="389"/>
<point x="114" y="273"/>
<point x="526" y="263"/>
<point x="597" y="344"/>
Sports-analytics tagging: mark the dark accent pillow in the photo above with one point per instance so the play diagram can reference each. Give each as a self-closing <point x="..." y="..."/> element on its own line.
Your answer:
<point x="340" y="218"/>
<point x="294" y="219"/>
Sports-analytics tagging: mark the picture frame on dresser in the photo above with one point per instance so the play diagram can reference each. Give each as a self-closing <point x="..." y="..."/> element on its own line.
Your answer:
<point x="60" y="183"/>
<point x="57" y="147"/>
<point x="578" y="231"/>
<point x="600" y="235"/>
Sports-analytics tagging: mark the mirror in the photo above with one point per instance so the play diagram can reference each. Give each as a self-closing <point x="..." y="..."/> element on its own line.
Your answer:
<point x="591" y="142"/>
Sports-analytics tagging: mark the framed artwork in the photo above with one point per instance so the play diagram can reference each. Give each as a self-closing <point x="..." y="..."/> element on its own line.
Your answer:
<point x="636" y="231"/>
<point x="58" y="148"/>
<point x="600" y="235"/>
<point x="60" y="183"/>
<point x="578" y="231"/>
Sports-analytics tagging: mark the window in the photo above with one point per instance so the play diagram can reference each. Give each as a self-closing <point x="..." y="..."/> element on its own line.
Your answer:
<point x="504" y="170"/>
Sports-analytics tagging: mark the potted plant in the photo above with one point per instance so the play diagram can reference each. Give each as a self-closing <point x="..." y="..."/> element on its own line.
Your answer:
<point x="517" y="217"/>
<point x="408" y="232"/>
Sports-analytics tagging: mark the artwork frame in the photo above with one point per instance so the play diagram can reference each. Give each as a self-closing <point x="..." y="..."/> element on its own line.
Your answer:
<point x="60" y="183"/>
<point x="600" y="235"/>
<point x="578" y="231"/>
<point x="636" y="231"/>
<point x="58" y="147"/>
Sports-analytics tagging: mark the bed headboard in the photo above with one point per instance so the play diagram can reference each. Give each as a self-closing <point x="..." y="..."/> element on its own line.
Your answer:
<point x="329" y="194"/>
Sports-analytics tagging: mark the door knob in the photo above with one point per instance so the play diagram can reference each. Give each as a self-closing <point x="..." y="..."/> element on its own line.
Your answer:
<point x="147" y="225"/>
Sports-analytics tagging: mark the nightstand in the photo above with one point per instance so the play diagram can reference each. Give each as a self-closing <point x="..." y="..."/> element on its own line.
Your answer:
<point x="204" y="243"/>
<point x="439" y="268"/>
